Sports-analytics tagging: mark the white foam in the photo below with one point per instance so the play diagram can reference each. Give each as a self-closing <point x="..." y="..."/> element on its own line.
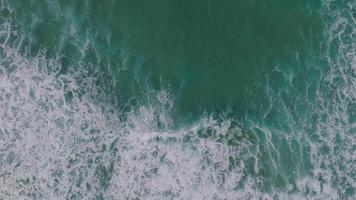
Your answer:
<point x="49" y="141"/>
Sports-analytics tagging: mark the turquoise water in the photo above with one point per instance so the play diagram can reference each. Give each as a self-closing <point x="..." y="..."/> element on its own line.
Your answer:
<point x="177" y="99"/>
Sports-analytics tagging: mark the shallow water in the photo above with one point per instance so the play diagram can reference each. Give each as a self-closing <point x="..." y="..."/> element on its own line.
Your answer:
<point x="177" y="99"/>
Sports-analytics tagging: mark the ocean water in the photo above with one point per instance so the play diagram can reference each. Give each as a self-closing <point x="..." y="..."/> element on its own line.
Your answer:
<point x="125" y="99"/>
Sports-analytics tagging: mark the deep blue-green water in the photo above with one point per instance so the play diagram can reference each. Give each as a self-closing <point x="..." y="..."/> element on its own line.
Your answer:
<point x="168" y="99"/>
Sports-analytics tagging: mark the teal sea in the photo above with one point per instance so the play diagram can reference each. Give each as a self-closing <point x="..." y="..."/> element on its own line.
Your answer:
<point x="177" y="99"/>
